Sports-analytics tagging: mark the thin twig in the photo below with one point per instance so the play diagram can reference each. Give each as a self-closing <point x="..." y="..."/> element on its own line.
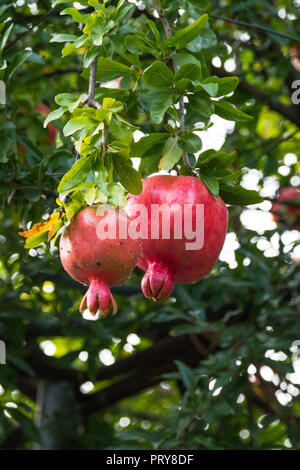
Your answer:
<point x="94" y="104"/>
<point x="47" y="173"/>
<point x="256" y="26"/>
<point x="167" y="28"/>
<point x="30" y="28"/>
<point x="104" y="140"/>
<point x="92" y="85"/>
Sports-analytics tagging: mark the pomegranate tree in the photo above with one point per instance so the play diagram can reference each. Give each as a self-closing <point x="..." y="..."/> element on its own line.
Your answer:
<point x="96" y="260"/>
<point x="169" y="260"/>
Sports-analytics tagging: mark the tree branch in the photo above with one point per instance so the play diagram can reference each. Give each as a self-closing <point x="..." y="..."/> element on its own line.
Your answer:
<point x="289" y="112"/>
<point x="259" y="27"/>
<point x="94" y="104"/>
<point x="33" y="24"/>
<point x="92" y="85"/>
<point x="167" y="28"/>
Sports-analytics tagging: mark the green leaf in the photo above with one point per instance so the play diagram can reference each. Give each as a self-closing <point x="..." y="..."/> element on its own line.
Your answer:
<point x="225" y="85"/>
<point x="74" y="204"/>
<point x="211" y="183"/>
<point x="190" y="142"/>
<point x="69" y="100"/>
<point x="109" y="69"/>
<point x="228" y="111"/>
<point x="188" y="376"/>
<point x="6" y="36"/>
<point x="56" y="114"/>
<point x="90" y="195"/>
<point x="149" y="164"/>
<point x="17" y="61"/>
<point x="81" y="41"/>
<point x="90" y="55"/>
<point x="171" y="154"/>
<point x="182" y="85"/>
<point x="145" y="143"/>
<point x="116" y="195"/>
<point x="77" y="123"/>
<point x="209" y="155"/>
<point x="184" y="58"/>
<point x="36" y="240"/>
<point x="158" y="75"/>
<point x="98" y="31"/>
<point x="112" y="105"/>
<point x="189" y="70"/>
<point x="218" y="163"/>
<point x="160" y="102"/>
<point x="128" y="176"/>
<point x="102" y="92"/>
<point x="201" y="103"/>
<point x="76" y="174"/>
<point x="63" y="38"/>
<point x="69" y="49"/>
<point x="134" y="45"/>
<point x="75" y="14"/>
<point x="122" y="11"/>
<point x="236" y="195"/>
<point x="121" y="130"/>
<point x="204" y="40"/>
<point x="210" y="87"/>
<point x="66" y="99"/>
<point x="154" y="30"/>
<point x="184" y="36"/>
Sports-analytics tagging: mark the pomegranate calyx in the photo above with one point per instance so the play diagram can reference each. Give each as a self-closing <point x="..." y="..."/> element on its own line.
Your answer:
<point x="157" y="284"/>
<point x="99" y="297"/>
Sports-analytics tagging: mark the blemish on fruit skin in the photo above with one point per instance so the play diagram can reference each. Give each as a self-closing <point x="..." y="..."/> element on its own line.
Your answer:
<point x="98" y="263"/>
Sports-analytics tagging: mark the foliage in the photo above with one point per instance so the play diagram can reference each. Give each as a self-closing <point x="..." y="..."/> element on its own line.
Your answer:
<point x="187" y="383"/>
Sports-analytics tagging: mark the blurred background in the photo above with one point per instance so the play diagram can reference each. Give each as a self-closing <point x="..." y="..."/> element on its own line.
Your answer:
<point x="217" y="366"/>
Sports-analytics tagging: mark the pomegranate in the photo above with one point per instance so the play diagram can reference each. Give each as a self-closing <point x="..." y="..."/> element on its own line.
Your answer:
<point x="282" y="210"/>
<point x="93" y="259"/>
<point x="169" y="260"/>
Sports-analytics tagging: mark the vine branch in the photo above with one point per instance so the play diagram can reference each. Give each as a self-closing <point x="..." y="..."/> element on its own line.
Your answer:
<point x="167" y="28"/>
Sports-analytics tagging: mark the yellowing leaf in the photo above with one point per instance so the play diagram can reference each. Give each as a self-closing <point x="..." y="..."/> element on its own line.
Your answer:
<point x="54" y="228"/>
<point x="41" y="226"/>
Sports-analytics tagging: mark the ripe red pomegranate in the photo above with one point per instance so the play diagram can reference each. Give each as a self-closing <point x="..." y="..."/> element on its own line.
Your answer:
<point x="168" y="261"/>
<point x="281" y="209"/>
<point x="95" y="260"/>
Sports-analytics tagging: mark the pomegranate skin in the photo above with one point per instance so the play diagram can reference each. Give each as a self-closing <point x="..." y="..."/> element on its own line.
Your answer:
<point x="97" y="261"/>
<point x="168" y="261"/>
